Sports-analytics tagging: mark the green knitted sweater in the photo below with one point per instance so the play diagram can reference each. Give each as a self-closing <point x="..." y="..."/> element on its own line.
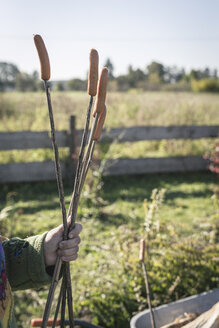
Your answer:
<point x="25" y="268"/>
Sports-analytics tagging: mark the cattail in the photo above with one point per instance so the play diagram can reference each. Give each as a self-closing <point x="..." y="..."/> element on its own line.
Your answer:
<point x="101" y="92"/>
<point x="43" y="56"/>
<point x="93" y="73"/>
<point x="142" y="250"/>
<point x="100" y="124"/>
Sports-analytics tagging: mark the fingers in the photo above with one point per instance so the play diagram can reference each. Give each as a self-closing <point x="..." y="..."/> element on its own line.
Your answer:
<point x="70" y="243"/>
<point x="76" y="231"/>
<point x="69" y="258"/>
<point x="68" y="249"/>
<point x="69" y="254"/>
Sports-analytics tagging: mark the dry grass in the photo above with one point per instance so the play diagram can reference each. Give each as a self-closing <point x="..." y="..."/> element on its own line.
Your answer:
<point x="28" y="111"/>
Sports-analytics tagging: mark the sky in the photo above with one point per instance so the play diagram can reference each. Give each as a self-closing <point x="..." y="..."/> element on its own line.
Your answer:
<point x="173" y="32"/>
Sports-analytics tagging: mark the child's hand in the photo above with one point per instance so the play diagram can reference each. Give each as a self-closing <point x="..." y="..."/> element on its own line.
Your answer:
<point x="54" y="246"/>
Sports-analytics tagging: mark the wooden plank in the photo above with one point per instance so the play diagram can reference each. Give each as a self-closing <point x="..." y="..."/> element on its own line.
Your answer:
<point x="31" y="140"/>
<point x="26" y="172"/>
<point x="34" y="140"/>
<point x="45" y="171"/>
<point x="154" y="165"/>
<point x="138" y="133"/>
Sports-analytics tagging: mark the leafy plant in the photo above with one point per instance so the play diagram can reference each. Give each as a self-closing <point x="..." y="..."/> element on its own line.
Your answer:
<point x="179" y="267"/>
<point x="151" y="220"/>
<point x="113" y="289"/>
<point x="213" y="158"/>
<point x="205" y="85"/>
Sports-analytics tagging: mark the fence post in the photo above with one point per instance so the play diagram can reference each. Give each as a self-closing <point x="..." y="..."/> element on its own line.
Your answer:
<point x="71" y="165"/>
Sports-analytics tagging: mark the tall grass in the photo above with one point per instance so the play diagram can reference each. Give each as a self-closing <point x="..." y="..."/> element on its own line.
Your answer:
<point x="28" y="111"/>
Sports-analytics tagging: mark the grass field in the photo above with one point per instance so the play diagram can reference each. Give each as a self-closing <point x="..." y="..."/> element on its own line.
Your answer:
<point x="112" y="228"/>
<point x="26" y="111"/>
<point x="188" y="198"/>
<point x="184" y="232"/>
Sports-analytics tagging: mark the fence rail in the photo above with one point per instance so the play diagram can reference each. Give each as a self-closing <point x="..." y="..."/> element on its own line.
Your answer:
<point x="31" y="140"/>
<point x="32" y="171"/>
<point x="155" y="165"/>
<point x="41" y="171"/>
<point x="138" y="133"/>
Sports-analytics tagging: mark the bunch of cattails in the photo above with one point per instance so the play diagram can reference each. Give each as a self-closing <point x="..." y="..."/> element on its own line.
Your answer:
<point x="96" y="87"/>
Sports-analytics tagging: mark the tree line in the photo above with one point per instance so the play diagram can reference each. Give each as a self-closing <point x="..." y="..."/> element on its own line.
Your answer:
<point x="11" y="78"/>
<point x="155" y="76"/>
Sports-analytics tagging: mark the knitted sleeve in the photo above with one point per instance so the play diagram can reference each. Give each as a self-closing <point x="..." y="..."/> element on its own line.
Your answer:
<point x="25" y="265"/>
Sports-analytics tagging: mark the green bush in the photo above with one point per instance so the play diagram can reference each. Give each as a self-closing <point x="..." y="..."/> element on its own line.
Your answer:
<point x="205" y="85"/>
<point x="113" y="289"/>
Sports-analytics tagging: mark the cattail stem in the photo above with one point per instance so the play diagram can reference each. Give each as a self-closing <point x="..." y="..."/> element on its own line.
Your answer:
<point x="141" y="258"/>
<point x="73" y="210"/>
<point x="58" y="261"/>
<point x="81" y="178"/>
<point x="58" y="305"/>
<point x="69" y="296"/>
<point x="76" y="194"/>
<point x="57" y="161"/>
<point x="148" y="295"/>
<point x="63" y="304"/>
<point x="62" y="204"/>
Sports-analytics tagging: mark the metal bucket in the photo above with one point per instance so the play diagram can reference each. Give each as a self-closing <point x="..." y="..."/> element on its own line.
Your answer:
<point x="167" y="313"/>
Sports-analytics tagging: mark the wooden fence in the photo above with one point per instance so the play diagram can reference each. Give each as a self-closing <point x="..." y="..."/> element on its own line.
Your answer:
<point x="41" y="171"/>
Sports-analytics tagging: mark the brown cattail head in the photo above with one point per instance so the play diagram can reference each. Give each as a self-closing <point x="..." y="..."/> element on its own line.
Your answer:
<point x="43" y="56"/>
<point x="101" y="92"/>
<point x="142" y="250"/>
<point x="100" y="124"/>
<point x="93" y="73"/>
